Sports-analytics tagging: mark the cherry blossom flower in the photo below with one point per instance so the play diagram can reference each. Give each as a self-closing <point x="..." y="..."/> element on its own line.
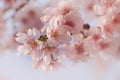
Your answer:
<point x="57" y="37"/>
<point x="65" y="16"/>
<point x="30" y="40"/>
<point x="76" y="52"/>
<point x="49" y="60"/>
<point x="110" y="48"/>
<point x="31" y="17"/>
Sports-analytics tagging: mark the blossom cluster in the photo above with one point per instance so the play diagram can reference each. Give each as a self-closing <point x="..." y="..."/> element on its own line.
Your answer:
<point x="77" y="30"/>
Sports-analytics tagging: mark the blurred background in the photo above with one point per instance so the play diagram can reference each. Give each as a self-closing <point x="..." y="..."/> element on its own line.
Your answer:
<point x="13" y="67"/>
<point x="18" y="15"/>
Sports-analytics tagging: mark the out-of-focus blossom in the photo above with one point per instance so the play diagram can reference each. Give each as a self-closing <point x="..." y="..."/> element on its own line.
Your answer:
<point x="30" y="18"/>
<point x="2" y="24"/>
<point x="108" y="2"/>
<point x="87" y="10"/>
<point x="76" y="52"/>
<point x="13" y="4"/>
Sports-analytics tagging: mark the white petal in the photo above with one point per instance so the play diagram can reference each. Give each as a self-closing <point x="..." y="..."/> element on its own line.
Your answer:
<point x="36" y="33"/>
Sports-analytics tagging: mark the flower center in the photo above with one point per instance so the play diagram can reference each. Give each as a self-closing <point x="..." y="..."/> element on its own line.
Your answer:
<point x="69" y="23"/>
<point x="32" y="43"/>
<point x="79" y="48"/>
<point x="48" y="48"/>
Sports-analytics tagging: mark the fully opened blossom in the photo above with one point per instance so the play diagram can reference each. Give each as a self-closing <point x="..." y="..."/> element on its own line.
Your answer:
<point x="30" y="40"/>
<point x="64" y="18"/>
<point x="76" y="51"/>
